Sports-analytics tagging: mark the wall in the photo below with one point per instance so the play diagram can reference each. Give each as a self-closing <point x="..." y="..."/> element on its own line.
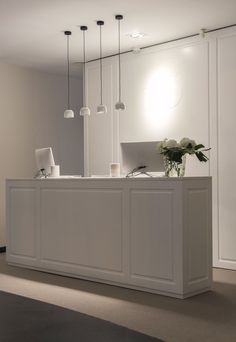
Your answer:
<point x="165" y="90"/>
<point x="185" y="88"/>
<point x="223" y="123"/>
<point x="31" y="116"/>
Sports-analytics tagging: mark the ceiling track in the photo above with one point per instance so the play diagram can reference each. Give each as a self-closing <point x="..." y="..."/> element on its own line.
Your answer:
<point x="165" y="42"/>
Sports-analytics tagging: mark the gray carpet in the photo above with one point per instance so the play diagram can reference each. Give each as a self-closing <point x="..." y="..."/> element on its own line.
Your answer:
<point x="27" y="320"/>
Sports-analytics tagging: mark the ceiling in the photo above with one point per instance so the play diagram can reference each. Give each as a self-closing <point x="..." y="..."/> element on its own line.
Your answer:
<point x="32" y="30"/>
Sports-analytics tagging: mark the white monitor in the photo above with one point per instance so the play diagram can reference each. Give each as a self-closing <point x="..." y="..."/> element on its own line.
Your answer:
<point x="44" y="159"/>
<point x="134" y="154"/>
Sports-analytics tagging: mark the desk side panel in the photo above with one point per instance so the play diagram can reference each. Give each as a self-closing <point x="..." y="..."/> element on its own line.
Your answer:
<point x="197" y="235"/>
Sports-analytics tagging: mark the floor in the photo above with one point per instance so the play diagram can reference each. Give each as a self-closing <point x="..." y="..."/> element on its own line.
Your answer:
<point x="207" y="317"/>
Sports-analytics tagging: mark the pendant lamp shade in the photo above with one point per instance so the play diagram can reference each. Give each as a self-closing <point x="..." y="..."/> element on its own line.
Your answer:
<point x="101" y="109"/>
<point x="84" y="111"/>
<point x="119" y="104"/>
<point x="68" y="113"/>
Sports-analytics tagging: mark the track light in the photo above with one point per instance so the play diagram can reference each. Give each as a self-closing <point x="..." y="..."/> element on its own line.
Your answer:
<point x="203" y="33"/>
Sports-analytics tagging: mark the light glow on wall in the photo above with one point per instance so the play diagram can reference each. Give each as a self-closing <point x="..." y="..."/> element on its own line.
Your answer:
<point x="188" y="50"/>
<point x="162" y="95"/>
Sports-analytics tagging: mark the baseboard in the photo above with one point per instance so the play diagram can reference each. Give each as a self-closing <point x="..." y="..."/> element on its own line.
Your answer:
<point x="3" y="249"/>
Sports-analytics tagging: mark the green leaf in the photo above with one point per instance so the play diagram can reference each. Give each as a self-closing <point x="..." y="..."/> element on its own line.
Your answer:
<point x="201" y="156"/>
<point x="197" y="147"/>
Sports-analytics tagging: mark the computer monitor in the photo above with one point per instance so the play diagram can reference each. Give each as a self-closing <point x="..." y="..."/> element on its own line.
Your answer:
<point x="135" y="154"/>
<point x="44" y="160"/>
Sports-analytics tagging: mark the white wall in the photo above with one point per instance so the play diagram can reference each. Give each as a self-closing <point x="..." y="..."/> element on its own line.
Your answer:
<point x="31" y="116"/>
<point x="185" y="88"/>
<point x="165" y="90"/>
<point x="166" y="93"/>
<point x="223" y="124"/>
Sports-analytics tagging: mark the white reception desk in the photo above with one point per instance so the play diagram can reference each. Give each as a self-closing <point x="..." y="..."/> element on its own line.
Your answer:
<point x="151" y="234"/>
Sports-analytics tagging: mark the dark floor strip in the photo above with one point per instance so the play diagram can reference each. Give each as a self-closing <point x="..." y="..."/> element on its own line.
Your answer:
<point x="27" y="320"/>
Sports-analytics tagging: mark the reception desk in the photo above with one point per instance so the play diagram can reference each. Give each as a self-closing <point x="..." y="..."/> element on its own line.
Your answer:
<point x="150" y="234"/>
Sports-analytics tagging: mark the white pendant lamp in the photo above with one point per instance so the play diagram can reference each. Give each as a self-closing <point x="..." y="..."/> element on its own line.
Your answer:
<point x="84" y="111"/>
<point x="101" y="109"/>
<point x="68" y="113"/>
<point x="119" y="105"/>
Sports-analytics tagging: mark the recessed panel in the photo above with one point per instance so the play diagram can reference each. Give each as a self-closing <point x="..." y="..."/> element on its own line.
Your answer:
<point x="152" y="234"/>
<point x="226" y="140"/>
<point x="82" y="227"/>
<point x="99" y="137"/>
<point x="22" y="218"/>
<point x="197" y="234"/>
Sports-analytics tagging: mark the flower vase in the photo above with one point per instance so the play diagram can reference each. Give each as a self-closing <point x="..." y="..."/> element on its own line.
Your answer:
<point x="174" y="169"/>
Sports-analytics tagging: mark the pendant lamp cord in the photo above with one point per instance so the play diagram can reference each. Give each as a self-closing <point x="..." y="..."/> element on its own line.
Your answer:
<point x="68" y="71"/>
<point x="101" y="63"/>
<point x="119" y="68"/>
<point x="84" y="69"/>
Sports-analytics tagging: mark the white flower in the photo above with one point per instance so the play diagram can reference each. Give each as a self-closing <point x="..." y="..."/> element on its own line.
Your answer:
<point x="159" y="147"/>
<point x="174" y="151"/>
<point x="187" y="143"/>
<point x="171" y="143"/>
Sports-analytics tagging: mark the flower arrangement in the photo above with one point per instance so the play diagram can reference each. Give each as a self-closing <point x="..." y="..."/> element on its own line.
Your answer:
<point x="174" y="154"/>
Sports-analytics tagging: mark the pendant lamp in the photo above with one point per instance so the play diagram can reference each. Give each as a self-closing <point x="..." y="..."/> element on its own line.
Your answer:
<point x="68" y="113"/>
<point x="101" y="109"/>
<point x="119" y="105"/>
<point x="85" y="109"/>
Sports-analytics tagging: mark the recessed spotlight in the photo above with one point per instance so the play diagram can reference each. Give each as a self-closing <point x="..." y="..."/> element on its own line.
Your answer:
<point x="137" y="35"/>
<point x="203" y="33"/>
